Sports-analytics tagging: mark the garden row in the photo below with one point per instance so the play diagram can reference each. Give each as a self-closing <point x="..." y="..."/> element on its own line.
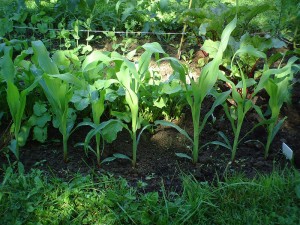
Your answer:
<point x="71" y="23"/>
<point x="40" y="89"/>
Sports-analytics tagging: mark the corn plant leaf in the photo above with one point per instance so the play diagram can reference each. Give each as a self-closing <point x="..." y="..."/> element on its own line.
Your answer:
<point x="170" y="124"/>
<point x="121" y="156"/>
<point x="219" y="143"/>
<point x="44" y="60"/>
<point x="70" y="78"/>
<point x="13" y="99"/>
<point x="223" y="136"/>
<point x="108" y="159"/>
<point x="8" y="69"/>
<point x="277" y="127"/>
<point x="93" y="59"/>
<point x="183" y="155"/>
<point x="210" y="72"/>
<point x="98" y="107"/>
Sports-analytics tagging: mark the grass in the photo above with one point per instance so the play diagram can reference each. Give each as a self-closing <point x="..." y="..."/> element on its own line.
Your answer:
<point x="34" y="198"/>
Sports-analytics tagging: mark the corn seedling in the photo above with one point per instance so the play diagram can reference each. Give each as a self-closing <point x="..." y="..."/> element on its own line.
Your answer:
<point x="16" y="101"/>
<point x="277" y="83"/>
<point x="197" y="90"/>
<point x="131" y="77"/>
<point x="58" y="91"/>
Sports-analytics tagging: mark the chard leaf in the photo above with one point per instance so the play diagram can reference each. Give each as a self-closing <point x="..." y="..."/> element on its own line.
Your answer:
<point x="153" y="47"/>
<point x="39" y="108"/>
<point x="40" y="134"/>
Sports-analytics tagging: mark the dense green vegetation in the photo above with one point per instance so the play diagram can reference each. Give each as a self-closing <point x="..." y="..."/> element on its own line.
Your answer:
<point x="37" y="199"/>
<point x="53" y="74"/>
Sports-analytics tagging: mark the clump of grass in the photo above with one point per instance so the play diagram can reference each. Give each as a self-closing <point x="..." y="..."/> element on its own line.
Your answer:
<point x="34" y="198"/>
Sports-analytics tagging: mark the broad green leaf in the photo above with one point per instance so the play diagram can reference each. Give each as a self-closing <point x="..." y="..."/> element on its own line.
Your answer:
<point x="93" y="59"/>
<point x="39" y="108"/>
<point x="104" y="84"/>
<point x="44" y="60"/>
<point x="211" y="47"/>
<point x="110" y="131"/>
<point x="153" y="47"/>
<point x="40" y="134"/>
<point x="249" y="82"/>
<point x="60" y="59"/>
<point x="163" y="4"/>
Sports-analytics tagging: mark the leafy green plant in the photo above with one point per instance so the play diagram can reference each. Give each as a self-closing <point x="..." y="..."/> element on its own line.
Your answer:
<point x="38" y="120"/>
<point x="277" y="83"/>
<point x="131" y="79"/>
<point x="199" y="89"/>
<point x="16" y="101"/>
<point x="58" y="91"/>
<point x="241" y="101"/>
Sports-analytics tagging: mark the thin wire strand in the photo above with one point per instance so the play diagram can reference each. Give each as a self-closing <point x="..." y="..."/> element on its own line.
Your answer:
<point x="104" y="31"/>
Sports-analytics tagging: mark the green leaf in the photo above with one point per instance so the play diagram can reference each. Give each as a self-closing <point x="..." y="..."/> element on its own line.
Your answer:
<point x="211" y="47"/>
<point x="153" y="47"/>
<point x="44" y="60"/>
<point x="91" y="4"/>
<point x="163" y="4"/>
<point x="60" y="59"/>
<point x="108" y="159"/>
<point x="39" y="108"/>
<point x="23" y="135"/>
<point x="183" y="155"/>
<point x="110" y="131"/>
<point x="8" y="69"/>
<point x="40" y="134"/>
<point x="221" y="144"/>
<point x="121" y="156"/>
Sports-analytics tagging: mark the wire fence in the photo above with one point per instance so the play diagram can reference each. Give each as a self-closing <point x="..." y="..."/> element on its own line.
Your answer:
<point x="107" y="31"/>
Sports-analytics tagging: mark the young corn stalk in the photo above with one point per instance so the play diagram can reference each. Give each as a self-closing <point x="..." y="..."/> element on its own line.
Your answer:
<point x="131" y="78"/>
<point x="242" y="103"/>
<point x="57" y="89"/>
<point x="277" y="83"/>
<point x="196" y="91"/>
<point x="16" y="100"/>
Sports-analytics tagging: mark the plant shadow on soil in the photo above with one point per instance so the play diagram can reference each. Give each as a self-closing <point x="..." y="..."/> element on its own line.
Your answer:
<point x="157" y="163"/>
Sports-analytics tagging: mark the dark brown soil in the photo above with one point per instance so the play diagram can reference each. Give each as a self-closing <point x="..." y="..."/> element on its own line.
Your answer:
<point x="157" y="163"/>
